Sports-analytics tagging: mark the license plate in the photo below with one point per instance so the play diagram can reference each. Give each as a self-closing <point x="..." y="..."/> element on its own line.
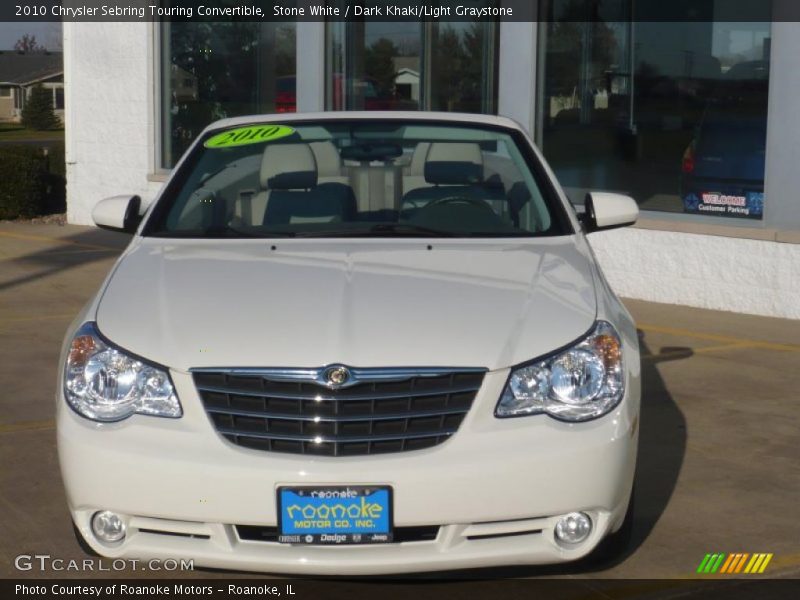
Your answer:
<point x="335" y="515"/>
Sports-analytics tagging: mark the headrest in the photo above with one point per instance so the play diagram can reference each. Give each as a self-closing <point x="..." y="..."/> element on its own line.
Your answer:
<point x="329" y="163"/>
<point x="454" y="163"/>
<point x="288" y="167"/>
<point x="417" y="165"/>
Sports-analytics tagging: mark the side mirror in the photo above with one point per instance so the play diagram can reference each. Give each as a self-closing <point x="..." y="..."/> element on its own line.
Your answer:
<point x="604" y="210"/>
<point x="118" y="213"/>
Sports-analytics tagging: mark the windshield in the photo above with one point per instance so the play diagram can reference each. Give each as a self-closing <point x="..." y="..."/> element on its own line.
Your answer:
<point x="359" y="178"/>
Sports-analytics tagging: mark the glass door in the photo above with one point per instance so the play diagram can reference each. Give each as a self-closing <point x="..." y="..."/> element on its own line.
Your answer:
<point x="588" y="125"/>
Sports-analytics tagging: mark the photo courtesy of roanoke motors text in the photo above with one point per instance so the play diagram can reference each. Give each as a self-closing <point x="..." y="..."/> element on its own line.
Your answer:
<point x="481" y="299"/>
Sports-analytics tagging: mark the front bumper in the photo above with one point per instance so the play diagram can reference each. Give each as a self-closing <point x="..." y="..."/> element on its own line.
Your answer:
<point x="495" y="489"/>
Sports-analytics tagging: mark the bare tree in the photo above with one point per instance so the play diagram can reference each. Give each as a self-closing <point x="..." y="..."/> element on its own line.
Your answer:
<point x="27" y="44"/>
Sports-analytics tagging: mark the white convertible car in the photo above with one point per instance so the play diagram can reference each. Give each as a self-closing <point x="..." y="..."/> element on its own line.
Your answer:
<point x="353" y="343"/>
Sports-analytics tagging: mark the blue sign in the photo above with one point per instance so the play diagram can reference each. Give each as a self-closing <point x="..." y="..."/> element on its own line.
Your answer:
<point x="734" y="203"/>
<point x="335" y="515"/>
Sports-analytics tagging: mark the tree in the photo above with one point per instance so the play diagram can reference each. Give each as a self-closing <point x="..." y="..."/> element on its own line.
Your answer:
<point x="285" y="44"/>
<point x="38" y="112"/>
<point x="27" y="44"/>
<point x="379" y="64"/>
<point x="472" y="80"/>
<point x="448" y="66"/>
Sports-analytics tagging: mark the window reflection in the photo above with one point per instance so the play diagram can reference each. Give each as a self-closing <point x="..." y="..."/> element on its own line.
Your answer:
<point x="463" y="67"/>
<point x="412" y="66"/>
<point x="673" y="114"/>
<point x="217" y="70"/>
<point x="374" y="66"/>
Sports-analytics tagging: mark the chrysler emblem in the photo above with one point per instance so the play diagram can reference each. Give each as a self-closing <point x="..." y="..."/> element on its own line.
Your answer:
<point x="337" y="376"/>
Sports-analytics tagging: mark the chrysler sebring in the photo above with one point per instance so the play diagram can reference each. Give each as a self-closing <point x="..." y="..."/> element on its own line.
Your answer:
<point x="353" y="343"/>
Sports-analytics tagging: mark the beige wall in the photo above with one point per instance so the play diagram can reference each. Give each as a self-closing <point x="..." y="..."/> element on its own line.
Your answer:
<point x="7" y="112"/>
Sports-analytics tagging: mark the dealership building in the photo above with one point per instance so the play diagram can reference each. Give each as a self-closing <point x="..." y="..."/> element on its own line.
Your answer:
<point x="696" y="119"/>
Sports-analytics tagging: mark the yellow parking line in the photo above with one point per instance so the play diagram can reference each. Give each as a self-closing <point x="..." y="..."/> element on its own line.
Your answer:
<point x="42" y="238"/>
<point x="720" y="338"/>
<point x="37" y="318"/>
<point x="705" y="349"/>
<point x="27" y="426"/>
<point x="87" y="251"/>
<point x="63" y="253"/>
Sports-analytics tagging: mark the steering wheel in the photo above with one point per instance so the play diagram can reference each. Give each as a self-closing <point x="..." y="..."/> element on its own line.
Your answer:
<point x="466" y="200"/>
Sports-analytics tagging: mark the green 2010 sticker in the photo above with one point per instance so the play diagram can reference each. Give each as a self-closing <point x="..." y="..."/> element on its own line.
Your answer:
<point x="254" y="134"/>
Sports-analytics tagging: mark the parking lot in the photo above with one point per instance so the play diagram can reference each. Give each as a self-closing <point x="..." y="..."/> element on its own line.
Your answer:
<point x="719" y="462"/>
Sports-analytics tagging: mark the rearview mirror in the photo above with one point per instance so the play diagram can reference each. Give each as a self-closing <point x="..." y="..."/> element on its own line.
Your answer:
<point x="604" y="210"/>
<point x="118" y="213"/>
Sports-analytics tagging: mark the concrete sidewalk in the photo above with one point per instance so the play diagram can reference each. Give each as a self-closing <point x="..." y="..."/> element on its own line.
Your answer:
<point x="719" y="467"/>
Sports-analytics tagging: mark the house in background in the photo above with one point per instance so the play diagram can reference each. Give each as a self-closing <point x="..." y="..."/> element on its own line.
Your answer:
<point x="20" y="72"/>
<point x="406" y="81"/>
<point x="184" y="85"/>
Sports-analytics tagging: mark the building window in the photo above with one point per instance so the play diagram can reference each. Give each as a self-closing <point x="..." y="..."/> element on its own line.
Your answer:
<point x="5" y="92"/>
<point x="215" y="70"/>
<point x="412" y="66"/>
<point x="462" y="67"/>
<point x="58" y="96"/>
<point x="374" y="66"/>
<point x="672" y="113"/>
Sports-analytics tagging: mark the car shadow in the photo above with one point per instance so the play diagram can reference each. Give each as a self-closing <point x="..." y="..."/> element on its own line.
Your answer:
<point x="67" y="253"/>
<point x="662" y="446"/>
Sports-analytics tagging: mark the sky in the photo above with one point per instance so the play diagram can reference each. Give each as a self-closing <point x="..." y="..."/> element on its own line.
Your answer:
<point x="47" y="34"/>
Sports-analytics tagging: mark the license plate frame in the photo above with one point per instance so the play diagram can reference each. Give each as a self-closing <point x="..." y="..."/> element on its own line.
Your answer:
<point x="373" y="525"/>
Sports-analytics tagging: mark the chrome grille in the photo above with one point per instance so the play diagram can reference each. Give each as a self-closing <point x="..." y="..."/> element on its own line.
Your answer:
<point x="375" y="411"/>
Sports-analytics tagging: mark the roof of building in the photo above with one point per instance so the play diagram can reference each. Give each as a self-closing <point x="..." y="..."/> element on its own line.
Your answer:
<point x="22" y="69"/>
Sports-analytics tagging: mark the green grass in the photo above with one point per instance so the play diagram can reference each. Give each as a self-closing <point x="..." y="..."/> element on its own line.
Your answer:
<point x="14" y="132"/>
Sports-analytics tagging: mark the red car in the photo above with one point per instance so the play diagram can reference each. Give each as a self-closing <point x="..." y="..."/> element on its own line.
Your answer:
<point x="366" y="88"/>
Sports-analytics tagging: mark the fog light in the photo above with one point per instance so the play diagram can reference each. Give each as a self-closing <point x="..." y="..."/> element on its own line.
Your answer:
<point x="108" y="527"/>
<point x="573" y="528"/>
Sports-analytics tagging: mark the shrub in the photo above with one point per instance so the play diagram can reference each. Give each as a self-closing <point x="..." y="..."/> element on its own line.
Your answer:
<point x="57" y="179"/>
<point x="23" y="182"/>
<point x="38" y="112"/>
<point x="56" y="160"/>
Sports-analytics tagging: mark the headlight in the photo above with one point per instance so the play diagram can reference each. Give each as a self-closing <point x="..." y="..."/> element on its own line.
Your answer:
<point x="103" y="383"/>
<point x="581" y="383"/>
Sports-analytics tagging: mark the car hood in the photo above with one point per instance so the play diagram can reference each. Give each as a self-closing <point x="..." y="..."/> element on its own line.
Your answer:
<point x="364" y="303"/>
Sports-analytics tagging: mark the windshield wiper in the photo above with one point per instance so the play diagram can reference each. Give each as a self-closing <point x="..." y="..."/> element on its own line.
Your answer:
<point x="377" y="230"/>
<point x="381" y="230"/>
<point x="224" y="231"/>
<point x="411" y="229"/>
<point x="228" y="231"/>
<point x="501" y="234"/>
